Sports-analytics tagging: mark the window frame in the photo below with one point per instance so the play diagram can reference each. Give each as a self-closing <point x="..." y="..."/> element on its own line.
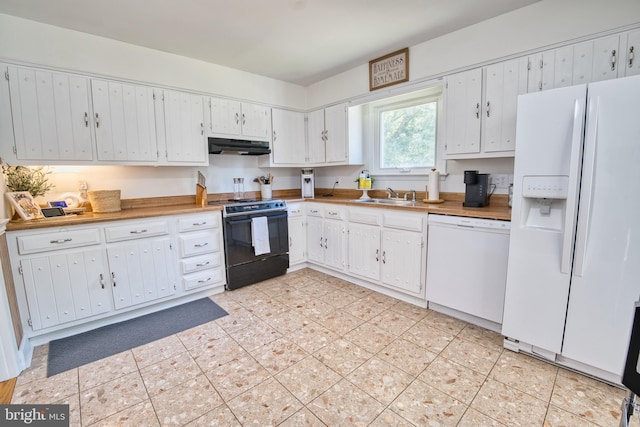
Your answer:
<point x="375" y="108"/>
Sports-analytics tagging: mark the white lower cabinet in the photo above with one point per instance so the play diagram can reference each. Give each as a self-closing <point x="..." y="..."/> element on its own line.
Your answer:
<point x="297" y="234"/>
<point x="326" y="235"/>
<point x="388" y="248"/>
<point x="68" y="276"/>
<point x="66" y="286"/>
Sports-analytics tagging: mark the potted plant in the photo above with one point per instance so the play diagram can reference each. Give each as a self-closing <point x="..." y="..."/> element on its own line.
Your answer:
<point x="35" y="180"/>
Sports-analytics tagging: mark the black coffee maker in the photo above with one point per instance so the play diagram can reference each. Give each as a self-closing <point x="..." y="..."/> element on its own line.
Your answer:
<point x="477" y="191"/>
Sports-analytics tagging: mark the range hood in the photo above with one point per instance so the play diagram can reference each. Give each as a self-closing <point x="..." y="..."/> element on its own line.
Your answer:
<point x="239" y="146"/>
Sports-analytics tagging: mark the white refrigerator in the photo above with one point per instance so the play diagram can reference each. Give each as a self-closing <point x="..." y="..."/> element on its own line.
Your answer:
<point x="574" y="253"/>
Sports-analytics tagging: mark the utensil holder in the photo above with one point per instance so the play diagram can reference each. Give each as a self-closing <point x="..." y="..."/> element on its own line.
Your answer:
<point x="265" y="191"/>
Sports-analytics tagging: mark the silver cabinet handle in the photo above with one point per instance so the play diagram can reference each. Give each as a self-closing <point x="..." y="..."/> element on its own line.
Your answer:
<point x="237" y="118"/>
<point x="333" y="213"/>
<point x="200" y="245"/>
<point x="274" y="136"/>
<point x="243" y="119"/>
<point x="631" y="55"/>
<point x="377" y="252"/>
<point x="478" y="110"/>
<point x="86" y="119"/>
<point x="97" y="120"/>
<point x="201" y="128"/>
<point x="325" y="243"/>
<point x="613" y="60"/>
<point x="60" y="241"/>
<point x="113" y="277"/>
<point x="384" y="257"/>
<point x="144" y="230"/>
<point x="290" y="242"/>
<point x="321" y="242"/>
<point x="102" y="280"/>
<point x="202" y="265"/>
<point x="198" y="224"/>
<point x="205" y="280"/>
<point x="488" y="108"/>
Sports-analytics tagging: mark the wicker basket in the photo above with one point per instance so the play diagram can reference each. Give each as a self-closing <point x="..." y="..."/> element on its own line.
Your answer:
<point x="104" y="201"/>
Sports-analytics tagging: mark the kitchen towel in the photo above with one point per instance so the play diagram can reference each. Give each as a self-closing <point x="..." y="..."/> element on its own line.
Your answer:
<point x="260" y="235"/>
<point x="433" y="187"/>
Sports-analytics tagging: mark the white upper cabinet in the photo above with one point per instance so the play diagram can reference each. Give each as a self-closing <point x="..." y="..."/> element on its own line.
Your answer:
<point x="50" y="115"/>
<point x="463" y="112"/>
<point x="233" y="119"/>
<point x="481" y="109"/>
<point x="327" y="140"/>
<point x="184" y="128"/>
<point x="288" y="139"/>
<point x="124" y="121"/>
<point x="630" y="61"/>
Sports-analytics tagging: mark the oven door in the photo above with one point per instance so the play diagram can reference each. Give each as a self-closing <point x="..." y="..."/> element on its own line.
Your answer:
<point x="244" y="267"/>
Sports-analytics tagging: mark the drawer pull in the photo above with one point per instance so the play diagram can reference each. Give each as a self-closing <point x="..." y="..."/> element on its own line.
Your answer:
<point x="205" y="280"/>
<point x="144" y="230"/>
<point x="333" y="213"/>
<point x="60" y="240"/>
<point x="200" y="245"/>
<point x="202" y="265"/>
<point x="197" y="224"/>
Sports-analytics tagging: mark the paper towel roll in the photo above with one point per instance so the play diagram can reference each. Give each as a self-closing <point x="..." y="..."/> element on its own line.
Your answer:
<point x="433" y="186"/>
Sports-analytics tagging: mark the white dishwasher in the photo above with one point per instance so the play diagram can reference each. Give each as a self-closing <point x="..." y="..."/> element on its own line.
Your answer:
<point x="467" y="265"/>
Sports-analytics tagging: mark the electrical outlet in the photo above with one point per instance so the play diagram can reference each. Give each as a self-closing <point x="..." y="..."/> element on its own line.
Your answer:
<point x="501" y="180"/>
<point x="337" y="181"/>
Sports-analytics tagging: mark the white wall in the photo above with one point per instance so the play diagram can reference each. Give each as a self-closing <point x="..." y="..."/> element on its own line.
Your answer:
<point x="536" y="26"/>
<point x="41" y="44"/>
<point x="533" y="27"/>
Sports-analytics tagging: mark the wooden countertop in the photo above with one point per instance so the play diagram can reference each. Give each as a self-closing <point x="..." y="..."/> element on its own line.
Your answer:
<point x="160" y="206"/>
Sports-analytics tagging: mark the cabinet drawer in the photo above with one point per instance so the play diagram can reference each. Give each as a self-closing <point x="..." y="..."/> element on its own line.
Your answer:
<point x="364" y="216"/>
<point x="314" y="210"/>
<point x="203" y="278"/>
<point x="403" y="222"/>
<point x="199" y="243"/>
<point x="294" y="210"/>
<point x="332" y="212"/>
<point x="62" y="239"/>
<point x="203" y="262"/>
<point x="199" y="222"/>
<point x="137" y="230"/>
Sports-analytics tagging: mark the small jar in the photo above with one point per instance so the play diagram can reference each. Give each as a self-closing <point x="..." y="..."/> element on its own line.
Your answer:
<point x="238" y="188"/>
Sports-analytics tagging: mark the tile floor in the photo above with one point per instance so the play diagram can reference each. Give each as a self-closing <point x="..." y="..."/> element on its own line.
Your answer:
<point x="308" y="349"/>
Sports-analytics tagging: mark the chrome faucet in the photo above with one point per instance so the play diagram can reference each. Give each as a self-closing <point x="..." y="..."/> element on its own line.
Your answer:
<point x="413" y="195"/>
<point x="391" y="193"/>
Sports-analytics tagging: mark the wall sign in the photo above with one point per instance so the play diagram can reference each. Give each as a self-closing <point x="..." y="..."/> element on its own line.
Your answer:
<point x="389" y="70"/>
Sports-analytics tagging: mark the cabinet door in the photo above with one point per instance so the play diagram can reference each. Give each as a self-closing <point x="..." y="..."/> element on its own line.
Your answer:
<point x="335" y="123"/>
<point x="124" y="119"/>
<point x="158" y="268"/>
<point x="225" y="116"/>
<point x="184" y="123"/>
<point x="334" y="242"/>
<point x="606" y="52"/>
<point x="316" y="136"/>
<point x="255" y="121"/>
<point x="463" y="110"/>
<point x="315" y="239"/>
<point x="563" y="67"/>
<point x="297" y="239"/>
<point x="288" y="142"/>
<point x="364" y="250"/>
<point x="50" y="115"/>
<point x="402" y="260"/>
<point x="631" y="65"/>
<point x="582" y="63"/>
<point x="503" y="83"/>
<point x="541" y="71"/>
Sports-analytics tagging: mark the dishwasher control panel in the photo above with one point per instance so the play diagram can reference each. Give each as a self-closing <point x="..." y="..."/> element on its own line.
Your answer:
<point x="461" y="221"/>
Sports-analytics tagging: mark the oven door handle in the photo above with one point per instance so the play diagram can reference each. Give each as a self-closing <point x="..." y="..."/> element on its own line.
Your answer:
<point x="244" y="219"/>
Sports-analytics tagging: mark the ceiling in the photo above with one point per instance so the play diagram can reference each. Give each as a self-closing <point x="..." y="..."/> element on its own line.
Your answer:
<point x="298" y="41"/>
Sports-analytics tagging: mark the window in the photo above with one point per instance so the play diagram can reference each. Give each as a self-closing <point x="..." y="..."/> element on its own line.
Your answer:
<point x="404" y="130"/>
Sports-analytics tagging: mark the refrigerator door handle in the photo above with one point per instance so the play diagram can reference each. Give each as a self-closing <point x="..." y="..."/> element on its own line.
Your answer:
<point x="589" y="173"/>
<point x="572" y="190"/>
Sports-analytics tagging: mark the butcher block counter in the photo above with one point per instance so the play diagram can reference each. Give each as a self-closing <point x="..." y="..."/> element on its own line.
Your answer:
<point x="160" y="206"/>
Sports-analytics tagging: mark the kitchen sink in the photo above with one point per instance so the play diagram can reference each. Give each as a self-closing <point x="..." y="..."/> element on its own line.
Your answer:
<point x="390" y="201"/>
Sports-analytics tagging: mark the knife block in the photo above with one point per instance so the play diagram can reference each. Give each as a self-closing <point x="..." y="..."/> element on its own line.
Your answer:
<point x="201" y="196"/>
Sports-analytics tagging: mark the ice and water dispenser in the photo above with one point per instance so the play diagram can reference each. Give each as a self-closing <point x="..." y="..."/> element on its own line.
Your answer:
<point x="544" y="201"/>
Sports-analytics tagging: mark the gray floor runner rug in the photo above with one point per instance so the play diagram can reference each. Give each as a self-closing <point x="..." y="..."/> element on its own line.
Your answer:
<point x="77" y="350"/>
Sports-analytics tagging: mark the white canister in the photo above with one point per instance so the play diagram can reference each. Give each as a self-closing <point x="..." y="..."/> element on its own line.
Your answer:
<point x="265" y="191"/>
